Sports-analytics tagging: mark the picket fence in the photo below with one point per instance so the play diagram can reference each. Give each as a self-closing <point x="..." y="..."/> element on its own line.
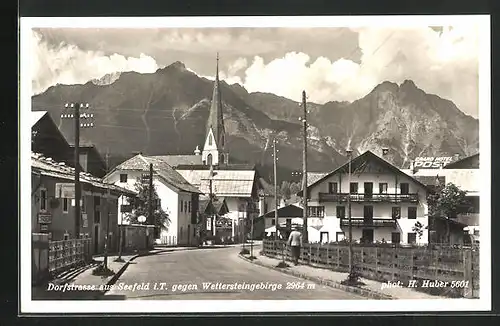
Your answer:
<point x="395" y="263"/>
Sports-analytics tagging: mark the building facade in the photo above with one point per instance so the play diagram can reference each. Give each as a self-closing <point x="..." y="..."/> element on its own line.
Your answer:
<point x="386" y="204"/>
<point x="178" y="198"/>
<point x="465" y="174"/>
<point x="52" y="204"/>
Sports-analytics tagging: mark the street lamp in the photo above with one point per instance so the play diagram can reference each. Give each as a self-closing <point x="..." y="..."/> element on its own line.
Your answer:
<point x="349" y="155"/>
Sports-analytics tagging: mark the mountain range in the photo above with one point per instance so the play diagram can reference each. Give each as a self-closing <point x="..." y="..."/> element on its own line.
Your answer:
<point x="165" y="112"/>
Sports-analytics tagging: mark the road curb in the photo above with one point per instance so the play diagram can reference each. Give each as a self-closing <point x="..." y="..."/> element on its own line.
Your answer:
<point x="333" y="284"/>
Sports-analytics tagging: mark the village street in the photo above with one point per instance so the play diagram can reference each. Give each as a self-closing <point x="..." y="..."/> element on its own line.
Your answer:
<point x="185" y="275"/>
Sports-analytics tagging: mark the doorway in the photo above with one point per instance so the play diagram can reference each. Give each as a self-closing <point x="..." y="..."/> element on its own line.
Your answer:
<point x="367" y="236"/>
<point x="323" y="237"/>
<point x="96" y="239"/>
<point x="368" y="214"/>
<point x="368" y="186"/>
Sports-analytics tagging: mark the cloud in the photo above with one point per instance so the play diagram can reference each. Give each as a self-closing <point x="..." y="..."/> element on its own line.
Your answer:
<point x="68" y="64"/>
<point x="444" y="63"/>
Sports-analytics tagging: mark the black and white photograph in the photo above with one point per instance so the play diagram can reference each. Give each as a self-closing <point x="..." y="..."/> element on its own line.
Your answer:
<point x="255" y="164"/>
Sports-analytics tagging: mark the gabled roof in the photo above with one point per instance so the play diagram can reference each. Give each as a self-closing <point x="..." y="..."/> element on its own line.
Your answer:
<point x="164" y="171"/>
<point x="471" y="160"/>
<point x="226" y="183"/>
<point x="357" y="163"/>
<point x="219" y="206"/>
<point x="287" y="211"/>
<point x="36" y="116"/>
<point x="176" y="160"/>
<point x="466" y="179"/>
<point x="312" y="177"/>
<point x="48" y="167"/>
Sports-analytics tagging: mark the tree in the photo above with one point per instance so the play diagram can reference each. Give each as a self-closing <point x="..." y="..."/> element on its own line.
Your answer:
<point x="294" y="188"/>
<point x="141" y="207"/>
<point x="285" y="190"/>
<point x="446" y="202"/>
<point x="418" y="228"/>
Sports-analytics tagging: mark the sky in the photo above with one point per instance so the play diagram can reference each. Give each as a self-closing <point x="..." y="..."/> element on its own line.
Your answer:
<point x="331" y="64"/>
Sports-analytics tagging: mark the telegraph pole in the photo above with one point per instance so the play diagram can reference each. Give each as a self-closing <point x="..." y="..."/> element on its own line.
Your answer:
<point x="76" y="116"/>
<point x="304" y="170"/>
<point x="150" y="197"/>
<point x="276" y="220"/>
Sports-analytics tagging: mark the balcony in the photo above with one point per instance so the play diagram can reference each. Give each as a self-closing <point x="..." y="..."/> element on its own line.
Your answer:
<point x="371" y="222"/>
<point x="372" y="198"/>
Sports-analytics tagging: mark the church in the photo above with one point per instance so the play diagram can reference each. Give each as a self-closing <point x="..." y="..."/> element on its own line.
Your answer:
<point x="211" y="171"/>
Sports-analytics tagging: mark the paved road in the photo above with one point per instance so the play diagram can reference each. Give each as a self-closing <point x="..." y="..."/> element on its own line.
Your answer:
<point x="186" y="274"/>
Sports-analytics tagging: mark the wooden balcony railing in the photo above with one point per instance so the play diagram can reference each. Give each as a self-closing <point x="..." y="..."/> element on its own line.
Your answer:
<point x="361" y="197"/>
<point x="368" y="222"/>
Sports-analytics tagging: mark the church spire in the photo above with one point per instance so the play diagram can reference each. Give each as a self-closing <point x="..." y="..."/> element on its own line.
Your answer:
<point x="215" y="132"/>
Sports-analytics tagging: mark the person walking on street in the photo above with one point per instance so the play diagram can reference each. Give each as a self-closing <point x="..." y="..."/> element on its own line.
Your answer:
<point x="295" y="241"/>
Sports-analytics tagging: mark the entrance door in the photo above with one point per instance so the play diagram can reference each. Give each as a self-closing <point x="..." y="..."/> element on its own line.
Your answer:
<point x="368" y="189"/>
<point x="323" y="237"/>
<point x="96" y="239"/>
<point x="367" y="235"/>
<point x="368" y="214"/>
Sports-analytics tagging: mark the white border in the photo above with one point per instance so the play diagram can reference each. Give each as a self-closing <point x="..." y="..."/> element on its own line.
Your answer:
<point x="211" y="306"/>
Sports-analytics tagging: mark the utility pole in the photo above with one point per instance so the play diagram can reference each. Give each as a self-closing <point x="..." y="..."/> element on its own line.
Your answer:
<point x="276" y="219"/>
<point x="349" y="216"/>
<point x="304" y="170"/>
<point x="76" y="116"/>
<point x="150" y="196"/>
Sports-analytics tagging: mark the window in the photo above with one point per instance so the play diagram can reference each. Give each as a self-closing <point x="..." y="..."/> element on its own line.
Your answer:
<point x="412" y="212"/>
<point x="316" y="211"/>
<point x="83" y="205"/>
<point x="97" y="217"/>
<point x="65" y="205"/>
<point x="396" y="213"/>
<point x="288" y="221"/>
<point x="333" y="187"/>
<point x="405" y="188"/>
<point x="354" y="188"/>
<point x="123" y="177"/>
<point x="382" y="188"/>
<point x="476" y="233"/>
<point x="412" y="237"/>
<point x="189" y="207"/>
<point x="340" y="211"/>
<point x="395" y="237"/>
<point x="185" y="206"/>
<point x="97" y="202"/>
<point x="43" y="199"/>
<point x="210" y="139"/>
<point x="368" y="212"/>
<point x="339" y="236"/>
<point x="273" y="222"/>
<point x="181" y="205"/>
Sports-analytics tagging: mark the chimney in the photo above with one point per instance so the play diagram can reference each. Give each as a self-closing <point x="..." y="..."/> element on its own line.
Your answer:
<point x="385" y="150"/>
<point x="456" y="157"/>
<point x="412" y="167"/>
<point x="197" y="151"/>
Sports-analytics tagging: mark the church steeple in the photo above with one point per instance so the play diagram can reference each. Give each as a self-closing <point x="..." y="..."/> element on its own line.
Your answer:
<point x="214" y="150"/>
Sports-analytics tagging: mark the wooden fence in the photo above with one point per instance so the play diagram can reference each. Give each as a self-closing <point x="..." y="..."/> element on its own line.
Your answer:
<point x="386" y="263"/>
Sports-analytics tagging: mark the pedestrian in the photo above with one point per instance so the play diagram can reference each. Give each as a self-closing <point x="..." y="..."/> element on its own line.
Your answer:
<point x="295" y="241"/>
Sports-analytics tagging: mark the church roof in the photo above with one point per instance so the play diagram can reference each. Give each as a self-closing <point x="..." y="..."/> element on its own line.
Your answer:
<point x="226" y="183"/>
<point x="176" y="160"/>
<point x="216" y="117"/>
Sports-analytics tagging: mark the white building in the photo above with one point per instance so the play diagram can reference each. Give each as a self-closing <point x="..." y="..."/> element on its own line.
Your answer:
<point x="177" y="196"/>
<point x="464" y="173"/>
<point x="386" y="203"/>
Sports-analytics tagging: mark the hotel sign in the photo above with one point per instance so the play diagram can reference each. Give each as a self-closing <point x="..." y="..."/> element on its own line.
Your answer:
<point x="432" y="162"/>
